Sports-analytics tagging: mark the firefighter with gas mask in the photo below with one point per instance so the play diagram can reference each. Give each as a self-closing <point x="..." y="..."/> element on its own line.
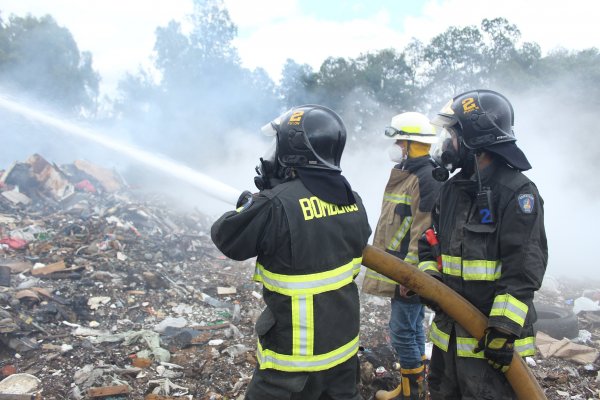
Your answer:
<point x="489" y="221"/>
<point x="308" y="230"/>
<point x="405" y="214"/>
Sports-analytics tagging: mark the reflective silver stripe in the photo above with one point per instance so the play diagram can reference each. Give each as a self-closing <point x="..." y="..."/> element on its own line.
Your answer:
<point x="301" y="329"/>
<point x="398" y="198"/>
<point x="411" y="258"/>
<point x="465" y="347"/>
<point x="310" y="283"/>
<point x="510" y="307"/>
<point x="282" y="362"/>
<point x="428" y="266"/>
<point x="400" y="233"/>
<point x="374" y="275"/>
<point x="451" y="265"/>
<point x="440" y="338"/>
<point x="481" y="270"/>
<point x="525" y="346"/>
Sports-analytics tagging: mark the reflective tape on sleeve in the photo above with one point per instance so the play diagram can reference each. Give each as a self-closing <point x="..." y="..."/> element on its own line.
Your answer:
<point x="411" y="258"/>
<point x="428" y="266"/>
<point x="526" y="346"/>
<point x="400" y="234"/>
<point x="374" y="275"/>
<point x="398" y="198"/>
<point x="510" y="307"/>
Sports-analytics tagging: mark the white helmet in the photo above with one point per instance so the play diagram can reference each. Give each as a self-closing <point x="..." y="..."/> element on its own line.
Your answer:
<point x="411" y="126"/>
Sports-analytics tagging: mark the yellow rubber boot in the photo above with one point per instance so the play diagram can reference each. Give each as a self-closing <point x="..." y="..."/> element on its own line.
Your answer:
<point x="414" y="385"/>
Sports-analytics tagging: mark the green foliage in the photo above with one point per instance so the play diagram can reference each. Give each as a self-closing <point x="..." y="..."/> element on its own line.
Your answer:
<point x="203" y="94"/>
<point x="41" y="59"/>
<point x="297" y="84"/>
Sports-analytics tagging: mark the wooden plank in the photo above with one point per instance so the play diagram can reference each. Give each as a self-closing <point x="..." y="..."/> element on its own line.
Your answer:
<point x="108" y="390"/>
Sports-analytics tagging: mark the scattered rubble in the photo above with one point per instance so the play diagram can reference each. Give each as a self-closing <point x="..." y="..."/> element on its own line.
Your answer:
<point x="110" y="293"/>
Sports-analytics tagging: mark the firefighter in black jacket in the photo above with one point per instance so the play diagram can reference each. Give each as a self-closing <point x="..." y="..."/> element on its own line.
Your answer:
<point x="308" y="230"/>
<point x="489" y="220"/>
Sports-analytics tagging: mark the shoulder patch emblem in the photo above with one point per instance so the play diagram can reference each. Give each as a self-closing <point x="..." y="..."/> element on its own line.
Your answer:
<point x="526" y="203"/>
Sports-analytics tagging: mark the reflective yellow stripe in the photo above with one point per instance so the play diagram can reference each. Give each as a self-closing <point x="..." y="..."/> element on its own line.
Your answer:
<point x="510" y="307"/>
<point x="417" y="370"/>
<point x="302" y="325"/>
<point x="308" y="284"/>
<point x="481" y="270"/>
<point x="400" y="234"/>
<point x="398" y="198"/>
<point x="439" y="338"/>
<point x="428" y="266"/>
<point x="451" y="265"/>
<point x="282" y="362"/>
<point x="411" y="258"/>
<point x="526" y="346"/>
<point x="465" y="347"/>
<point x="471" y="270"/>
<point x="374" y="275"/>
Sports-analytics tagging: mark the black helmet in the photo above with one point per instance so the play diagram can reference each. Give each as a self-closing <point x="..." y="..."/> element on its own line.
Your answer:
<point x="309" y="136"/>
<point x="485" y="118"/>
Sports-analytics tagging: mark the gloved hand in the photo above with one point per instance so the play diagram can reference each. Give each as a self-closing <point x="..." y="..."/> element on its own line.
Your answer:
<point x="244" y="200"/>
<point x="498" y="347"/>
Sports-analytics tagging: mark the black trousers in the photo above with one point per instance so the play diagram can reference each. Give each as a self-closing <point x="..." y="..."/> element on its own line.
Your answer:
<point x="465" y="378"/>
<point x="337" y="383"/>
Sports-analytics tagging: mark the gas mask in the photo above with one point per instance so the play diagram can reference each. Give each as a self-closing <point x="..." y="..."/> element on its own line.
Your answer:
<point x="267" y="169"/>
<point x="448" y="158"/>
<point x="396" y="153"/>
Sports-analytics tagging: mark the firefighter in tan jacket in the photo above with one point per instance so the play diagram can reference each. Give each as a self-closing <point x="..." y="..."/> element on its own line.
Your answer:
<point x="405" y="214"/>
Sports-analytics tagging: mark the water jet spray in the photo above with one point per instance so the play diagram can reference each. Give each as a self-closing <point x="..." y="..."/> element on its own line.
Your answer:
<point x="206" y="184"/>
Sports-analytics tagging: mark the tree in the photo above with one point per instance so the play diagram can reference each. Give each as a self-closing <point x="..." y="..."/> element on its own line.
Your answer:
<point x="202" y="92"/>
<point x="386" y="77"/>
<point x="455" y="57"/>
<point x="297" y="85"/>
<point x="41" y="59"/>
<point x="335" y="80"/>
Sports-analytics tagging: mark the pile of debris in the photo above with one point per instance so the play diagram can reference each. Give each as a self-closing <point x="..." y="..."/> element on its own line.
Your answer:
<point x="108" y="292"/>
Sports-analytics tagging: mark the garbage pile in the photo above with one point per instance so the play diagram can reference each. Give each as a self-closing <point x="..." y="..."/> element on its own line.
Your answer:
<point x="111" y="292"/>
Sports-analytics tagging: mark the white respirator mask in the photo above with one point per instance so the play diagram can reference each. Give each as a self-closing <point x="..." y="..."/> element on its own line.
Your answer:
<point x="396" y="153"/>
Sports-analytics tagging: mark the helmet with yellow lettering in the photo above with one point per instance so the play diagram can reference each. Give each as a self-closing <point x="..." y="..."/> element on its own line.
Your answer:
<point x="309" y="136"/>
<point x="484" y="118"/>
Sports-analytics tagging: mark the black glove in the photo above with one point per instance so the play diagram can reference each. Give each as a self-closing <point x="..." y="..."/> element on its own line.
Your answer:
<point x="498" y="347"/>
<point x="244" y="200"/>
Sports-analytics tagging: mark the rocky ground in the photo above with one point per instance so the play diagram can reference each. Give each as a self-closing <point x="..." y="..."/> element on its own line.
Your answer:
<point x="113" y="294"/>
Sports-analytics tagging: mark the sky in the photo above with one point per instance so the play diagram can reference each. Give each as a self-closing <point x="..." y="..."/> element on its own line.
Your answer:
<point x="120" y="34"/>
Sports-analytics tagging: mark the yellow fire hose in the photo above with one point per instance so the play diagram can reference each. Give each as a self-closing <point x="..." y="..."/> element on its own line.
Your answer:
<point x="519" y="375"/>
